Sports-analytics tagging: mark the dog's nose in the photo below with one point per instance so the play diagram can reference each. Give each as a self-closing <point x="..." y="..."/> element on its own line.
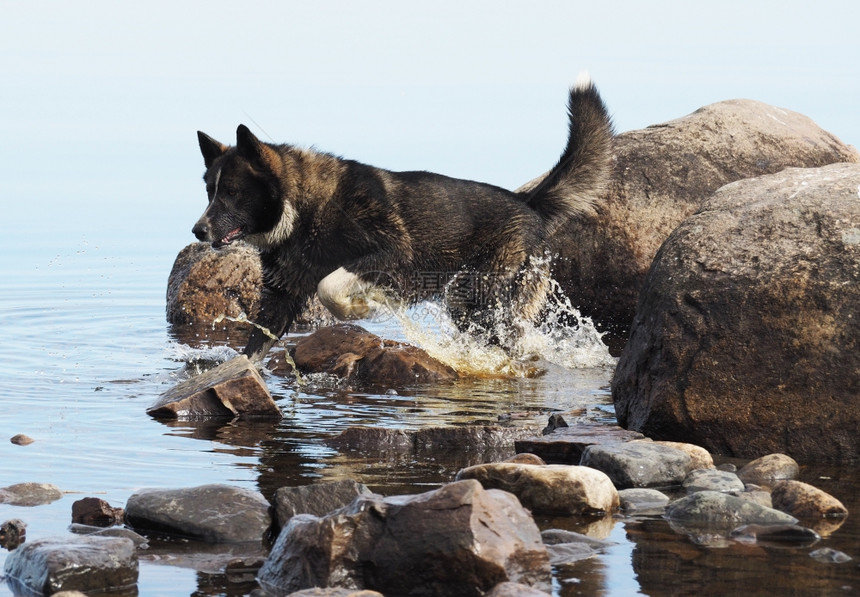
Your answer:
<point x="200" y="230"/>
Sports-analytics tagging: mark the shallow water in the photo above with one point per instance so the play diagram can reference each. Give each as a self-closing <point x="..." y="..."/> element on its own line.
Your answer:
<point x="84" y="350"/>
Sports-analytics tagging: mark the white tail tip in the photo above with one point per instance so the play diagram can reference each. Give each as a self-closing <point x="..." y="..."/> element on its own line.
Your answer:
<point x="583" y="80"/>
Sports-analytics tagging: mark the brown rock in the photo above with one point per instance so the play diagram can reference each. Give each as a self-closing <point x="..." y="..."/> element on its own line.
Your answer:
<point x="661" y="175"/>
<point x="526" y="458"/>
<point x="700" y="458"/>
<point x="231" y="389"/>
<point x="12" y="533"/>
<point x="96" y="512"/>
<point x="353" y="353"/>
<point x="21" y="440"/>
<point x="769" y="470"/>
<point x="457" y="540"/>
<point x="746" y="340"/>
<point x="802" y="500"/>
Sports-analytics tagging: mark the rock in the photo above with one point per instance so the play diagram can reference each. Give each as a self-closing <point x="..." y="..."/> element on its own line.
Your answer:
<point x="660" y="176"/>
<point x="457" y="540"/>
<point x="640" y="501"/>
<point x="565" y="445"/>
<point x="526" y="458"/>
<point x="52" y="564"/>
<point x="746" y="339"/>
<point x="638" y="464"/>
<point x="515" y="589"/>
<point x="712" y="480"/>
<point x="723" y="510"/>
<point x="12" y="533"/>
<point x="96" y="512"/>
<point x="802" y="500"/>
<point x="21" y="440"/>
<point x="353" y="353"/>
<point x="769" y="470"/>
<point x="550" y="489"/>
<point x="318" y="499"/>
<point x="317" y="592"/>
<point x="83" y="529"/>
<point x="210" y="513"/>
<point x="700" y="458"/>
<point x="30" y="494"/>
<point x="776" y="533"/>
<point x="232" y="389"/>
<point x="828" y="555"/>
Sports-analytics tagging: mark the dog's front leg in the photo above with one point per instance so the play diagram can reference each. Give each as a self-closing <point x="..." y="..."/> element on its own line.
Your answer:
<point x="278" y="310"/>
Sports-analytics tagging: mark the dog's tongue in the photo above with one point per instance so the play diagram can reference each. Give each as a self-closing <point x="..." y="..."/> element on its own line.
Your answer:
<point x="230" y="236"/>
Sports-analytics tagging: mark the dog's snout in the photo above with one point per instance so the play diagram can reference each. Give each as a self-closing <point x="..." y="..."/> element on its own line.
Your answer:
<point x="201" y="230"/>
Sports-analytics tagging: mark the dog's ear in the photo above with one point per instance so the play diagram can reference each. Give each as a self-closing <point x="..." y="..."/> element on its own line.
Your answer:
<point x="210" y="148"/>
<point x="254" y="150"/>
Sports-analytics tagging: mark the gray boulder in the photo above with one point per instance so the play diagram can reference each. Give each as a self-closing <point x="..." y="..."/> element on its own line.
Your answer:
<point x="457" y="540"/>
<point x="210" y="513"/>
<point x="89" y="563"/>
<point x="638" y="464"/>
<point x="722" y="510"/>
<point x="712" y="480"/>
<point x="746" y="340"/>
<point x="661" y="175"/>
<point x="318" y="499"/>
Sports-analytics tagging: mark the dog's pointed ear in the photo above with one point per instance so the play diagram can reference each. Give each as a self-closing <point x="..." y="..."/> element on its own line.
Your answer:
<point x="254" y="150"/>
<point x="210" y="148"/>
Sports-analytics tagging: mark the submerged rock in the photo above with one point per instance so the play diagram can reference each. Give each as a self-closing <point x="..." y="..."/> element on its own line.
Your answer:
<point x="457" y="540"/>
<point x="776" y="533"/>
<point x="210" y="513"/>
<point x="352" y="353"/>
<point x="30" y="494"/>
<point x="828" y="555"/>
<point x="805" y="501"/>
<point x="53" y="564"/>
<point x="232" y="389"/>
<point x="638" y="464"/>
<point x="759" y="321"/>
<point x="549" y="489"/>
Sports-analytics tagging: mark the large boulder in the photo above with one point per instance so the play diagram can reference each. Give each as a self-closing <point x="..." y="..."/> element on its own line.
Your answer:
<point x="746" y="340"/>
<point x="457" y="540"/>
<point x="660" y="176"/>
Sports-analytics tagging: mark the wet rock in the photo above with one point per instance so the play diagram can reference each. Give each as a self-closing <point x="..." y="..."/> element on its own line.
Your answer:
<point x="776" y="533"/>
<point x="565" y="445"/>
<point x="232" y="389"/>
<point x="352" y="353"/>
<point x="828" y="555"/>
<point x="526" y="458"/>
<point x="638" y="464"/>
<point x="769" y="470"/>
<point x="661" y="175"/>
<point x="802" y="500"/>
<point x="96" y="512"/>
<point x="555" y="422"/>
<point x="334" y="592"/>
<point x="52" y="564"/>
<point x="759" y="496"/>
<point x="210" y="513"/>
<point x="318" y="499"/>
<point x="758" y="321"/>
<point x="514" y="589"/>
<point x="21" y="440"/>
<point x="12" y="533"/>
<point x="459" y="539"/>
<point x="712" y="480"/>
<point x="723" y="510"/>
<point x="30" y="494"/>
<point x="550" y="489"/>
<point x="84" y="529"/>
<point x="640" y="501"/>
<point x="700" y="458"/>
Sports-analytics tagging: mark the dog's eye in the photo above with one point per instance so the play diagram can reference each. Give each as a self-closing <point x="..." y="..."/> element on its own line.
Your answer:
<point x="231" y="191"/>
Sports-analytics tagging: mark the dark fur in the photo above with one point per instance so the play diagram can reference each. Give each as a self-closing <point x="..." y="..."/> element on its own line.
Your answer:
<point x="374" y="223"/>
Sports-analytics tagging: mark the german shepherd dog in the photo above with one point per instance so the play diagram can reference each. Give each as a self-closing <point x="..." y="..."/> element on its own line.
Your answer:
<point x="338" y="227"/>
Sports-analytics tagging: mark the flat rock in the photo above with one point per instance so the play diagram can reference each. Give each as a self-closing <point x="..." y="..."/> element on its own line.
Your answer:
<point x="318" y="499"/>
<point x="802" y="500"/>
<point x="565" y="445"/>
<point x="30" y="494"/>
<point x="642" y="501"/>
<point x="723" y="510"/>
<point x="457" y="540"/>
<point x="549" y="489"/>
<point x="53" y="564"/>
<point x="211" y="513"/>
<point x="232" y="389"/>
<point x="638" y="464"/>
<point x="712" y="480"/>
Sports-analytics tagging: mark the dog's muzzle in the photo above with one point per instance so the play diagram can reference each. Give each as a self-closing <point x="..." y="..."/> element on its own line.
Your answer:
<point x="201" y="230"/>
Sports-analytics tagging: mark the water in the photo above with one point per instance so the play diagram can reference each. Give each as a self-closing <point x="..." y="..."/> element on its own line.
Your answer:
<point x="84" y="350"/>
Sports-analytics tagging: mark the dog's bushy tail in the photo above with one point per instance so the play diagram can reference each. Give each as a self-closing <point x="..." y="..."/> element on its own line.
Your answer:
<point x="575" y="182"/>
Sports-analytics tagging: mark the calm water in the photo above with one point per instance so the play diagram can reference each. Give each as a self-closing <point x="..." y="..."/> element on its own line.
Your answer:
<point x="84" y="349"/>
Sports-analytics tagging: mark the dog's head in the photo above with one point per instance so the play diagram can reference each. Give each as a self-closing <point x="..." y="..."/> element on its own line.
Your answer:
<point x="246" y="198"/>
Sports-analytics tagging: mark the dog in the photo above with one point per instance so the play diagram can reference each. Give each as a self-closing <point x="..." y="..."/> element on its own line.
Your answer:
<point x="337" y="227"/>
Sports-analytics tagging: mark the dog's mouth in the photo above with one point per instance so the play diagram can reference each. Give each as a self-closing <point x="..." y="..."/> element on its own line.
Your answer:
<point x="234" y="234"/>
